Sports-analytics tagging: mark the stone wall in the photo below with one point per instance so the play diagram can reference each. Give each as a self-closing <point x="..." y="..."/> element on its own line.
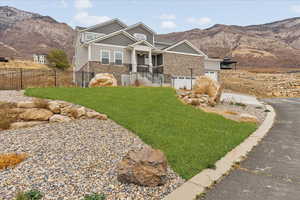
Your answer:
<point x="179" y="64"/>
<point x="117" y="71"/>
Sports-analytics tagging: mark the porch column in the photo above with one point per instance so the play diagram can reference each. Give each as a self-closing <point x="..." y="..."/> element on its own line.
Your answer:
<point x="150" y="61"/>
<point x="133" y="60"/>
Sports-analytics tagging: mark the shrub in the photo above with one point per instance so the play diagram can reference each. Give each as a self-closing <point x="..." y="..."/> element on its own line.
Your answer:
<point x="30" y="195"/>
<point x="59" y="59"/>
<point x="10" y="160"/>
<point x="94" y="197"/>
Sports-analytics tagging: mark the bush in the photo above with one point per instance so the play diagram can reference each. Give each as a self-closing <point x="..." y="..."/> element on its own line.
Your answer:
<point x="30" y="195"/>
<point x="94" y="197"/>
<point x="59" y="59"/>
<point x="10" y="160"/>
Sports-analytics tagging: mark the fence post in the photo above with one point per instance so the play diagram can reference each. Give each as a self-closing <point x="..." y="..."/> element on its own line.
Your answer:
<point x="21" y="76"/>
<point x="82" y="79"/>
<point x="55" y="78"/>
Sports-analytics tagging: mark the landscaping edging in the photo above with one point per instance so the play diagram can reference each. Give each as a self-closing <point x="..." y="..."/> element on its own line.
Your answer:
<point x="208" y="177"/>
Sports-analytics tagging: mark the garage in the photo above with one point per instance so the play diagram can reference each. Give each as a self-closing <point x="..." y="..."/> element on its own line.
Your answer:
<point x="212" y="74"/>
<point x="182" y="82"/>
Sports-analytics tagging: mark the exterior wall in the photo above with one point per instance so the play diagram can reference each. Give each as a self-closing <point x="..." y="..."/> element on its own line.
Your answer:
<point x="212" y="65"/>
<point x="184" y="48"/>
<point x="161" y="46"/>
<point x="97" y="67"/>
<point x="107" y="29"/>
<point x="179" y="64"/>
<point x="96" y="53"/>
<point x="120" y="40"/>
<point x="142" y="30"/>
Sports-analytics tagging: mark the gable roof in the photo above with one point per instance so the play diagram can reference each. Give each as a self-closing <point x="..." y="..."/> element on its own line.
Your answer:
<point x="145" y="42"/>
<point x="141" y="24"/>
<point x="105" y="23"/>
<point x="189" y="44"/>
<point x="113" y="34"/>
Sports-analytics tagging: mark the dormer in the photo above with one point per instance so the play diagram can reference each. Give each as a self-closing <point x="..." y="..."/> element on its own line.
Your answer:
<point x="141" y="32"/>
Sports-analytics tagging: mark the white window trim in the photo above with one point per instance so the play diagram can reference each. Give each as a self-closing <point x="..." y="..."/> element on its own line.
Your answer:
<point x="102" y="57"/>
<point x="122" y="57"/>
<point x="140" y="34"/>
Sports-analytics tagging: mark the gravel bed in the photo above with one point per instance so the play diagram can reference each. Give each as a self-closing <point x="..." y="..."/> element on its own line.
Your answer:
<point x="13" y="96"/>
<point x="69" y="160"/>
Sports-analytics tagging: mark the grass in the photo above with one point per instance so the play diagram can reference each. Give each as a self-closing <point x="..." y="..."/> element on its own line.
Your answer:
<point x="191" y="139"/>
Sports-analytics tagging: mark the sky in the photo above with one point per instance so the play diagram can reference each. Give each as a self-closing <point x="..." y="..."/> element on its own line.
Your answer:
<point x="163" y="16"/>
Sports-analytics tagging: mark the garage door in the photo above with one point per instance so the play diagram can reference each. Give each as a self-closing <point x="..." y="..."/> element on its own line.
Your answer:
<point x="212" y="74"/>
<point x="182" y="82"/>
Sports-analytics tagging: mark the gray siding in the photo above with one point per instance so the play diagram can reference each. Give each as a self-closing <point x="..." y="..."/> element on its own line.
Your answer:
<point x="161" y="46"/>
<point x="96" y="51"/>
<point x="120" y="40"/>
<point x="107" y="29"/>
<point x="212" y="65"/>
<point x="184" y="48"/>
<point x="142" y="30"/>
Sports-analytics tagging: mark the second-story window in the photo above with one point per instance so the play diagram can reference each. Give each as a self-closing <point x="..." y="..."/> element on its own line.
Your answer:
<point x="118" y="57"/>
<point x="140" y="36"/>
<point x="104" y="57"/>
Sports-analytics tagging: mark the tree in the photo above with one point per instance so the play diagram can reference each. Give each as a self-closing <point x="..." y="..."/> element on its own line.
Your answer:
<point x="59" y="59"/>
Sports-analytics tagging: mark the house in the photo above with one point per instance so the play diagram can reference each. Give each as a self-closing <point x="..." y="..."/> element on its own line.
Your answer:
<point x="40" y="58"/>
<point x="135" y="52"/>
<point x="212" y="67"/>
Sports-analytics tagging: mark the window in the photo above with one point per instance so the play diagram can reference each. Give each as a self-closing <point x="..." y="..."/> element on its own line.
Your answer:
<point x="118" y="57"/>
<point x="91" y="36"/>
<point x="104" y="57"/>
<point x="140" y="36"/>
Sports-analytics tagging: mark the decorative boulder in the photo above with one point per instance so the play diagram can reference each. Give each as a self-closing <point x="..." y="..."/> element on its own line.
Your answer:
<point x="103" y="80"/>
<point x="206" y="85"/>
<point x="59" y="118"/>
<point x="36" y="114"/>
<point x="146" y="167"/>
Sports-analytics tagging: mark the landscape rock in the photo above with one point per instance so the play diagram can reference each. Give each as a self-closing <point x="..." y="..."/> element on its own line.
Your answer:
<point x="103" y="80"/>
<point x="54" y="106"/>
<point x="248" y="118"/>
<point x="206" y="85"/>
<point x="146" y="167"/>
<point x="59" y="118"/>
<point x="26" y="104"/>
<point x="36" y="114"/>
<point x="96" y="115"/>
<point x="17" y="125"/>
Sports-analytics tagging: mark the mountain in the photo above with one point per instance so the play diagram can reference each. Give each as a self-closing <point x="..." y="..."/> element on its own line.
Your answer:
<point x="23" y="34"/>
<point x="274" y="44"/>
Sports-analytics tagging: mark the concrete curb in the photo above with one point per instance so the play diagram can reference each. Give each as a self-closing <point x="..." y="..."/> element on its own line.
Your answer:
<point x="206" y="178"/>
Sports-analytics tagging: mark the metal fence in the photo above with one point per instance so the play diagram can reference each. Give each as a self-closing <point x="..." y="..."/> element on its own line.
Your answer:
<point x="16" y="79"/>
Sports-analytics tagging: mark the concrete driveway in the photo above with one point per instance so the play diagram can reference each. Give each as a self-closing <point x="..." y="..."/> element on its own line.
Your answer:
<point x="272" y="169"/>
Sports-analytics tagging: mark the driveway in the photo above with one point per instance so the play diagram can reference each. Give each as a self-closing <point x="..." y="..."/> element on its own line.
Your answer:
<point x="272" y="169"/>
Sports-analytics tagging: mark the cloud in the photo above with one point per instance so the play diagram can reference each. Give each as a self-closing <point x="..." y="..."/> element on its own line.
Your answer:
<point x="88" y="20"/>
<point x="63" y="3"/>
<point x="168" y="24"/>
<point x="295" y="8"/>
<point x="200" y="21"/>
<point x="83" y="4"/>
<point x="167" y="17"/>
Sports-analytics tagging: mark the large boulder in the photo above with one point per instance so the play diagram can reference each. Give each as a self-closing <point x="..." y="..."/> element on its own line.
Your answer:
<point x="36" y="114"/>
<point x="206" y="85"/>
<point x="103" y="80"/>
<point x="54" y="106"/>
<point x="26" y="104"/>
<point x="146" y="167"/>
<point x="96" y="115"/>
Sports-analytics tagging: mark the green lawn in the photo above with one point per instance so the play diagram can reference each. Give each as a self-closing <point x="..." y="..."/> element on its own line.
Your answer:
<point x="191" y="139"/>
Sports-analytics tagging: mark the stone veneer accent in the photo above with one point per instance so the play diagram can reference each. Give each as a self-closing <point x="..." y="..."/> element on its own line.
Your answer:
<point x="116" y="70"/>
<point x="179" y="64"/>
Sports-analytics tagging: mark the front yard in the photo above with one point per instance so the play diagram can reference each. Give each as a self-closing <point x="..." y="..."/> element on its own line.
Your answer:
<point x="191" y="139"/>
